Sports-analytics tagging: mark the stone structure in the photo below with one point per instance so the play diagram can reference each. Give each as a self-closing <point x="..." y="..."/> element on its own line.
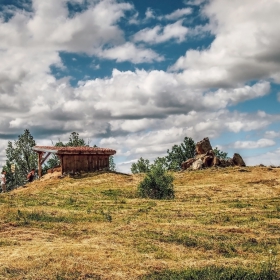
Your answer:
<point x="205" y="158"/>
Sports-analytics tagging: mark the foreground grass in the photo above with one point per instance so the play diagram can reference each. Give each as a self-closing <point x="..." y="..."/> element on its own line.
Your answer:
<point x="222" y="224"/>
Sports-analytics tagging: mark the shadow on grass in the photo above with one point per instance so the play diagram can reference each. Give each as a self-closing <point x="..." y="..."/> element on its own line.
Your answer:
<point x="214" y="273"/>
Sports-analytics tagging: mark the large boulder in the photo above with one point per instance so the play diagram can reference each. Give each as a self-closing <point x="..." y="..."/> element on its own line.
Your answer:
<point x="238" y="160"/>
<point x="216" y="161"/>
<point x="197" y="164"/>
<point x="187" y="164"/>
<point x="203" y="146"/>
<point x="207" y="161"/>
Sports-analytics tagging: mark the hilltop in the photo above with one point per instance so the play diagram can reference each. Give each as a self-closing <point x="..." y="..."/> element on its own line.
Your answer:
<point x="96" y="227"/>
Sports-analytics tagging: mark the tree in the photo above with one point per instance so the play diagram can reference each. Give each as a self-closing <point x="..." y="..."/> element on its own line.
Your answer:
<point x="74" y="141"/>
<point x="21" y="154"/>
<point x="220" y="154"/>
<point x="112" y="165"/>
<point x="157" y="184"/>
<point x="162" y="161"/>
<point x="141" y="166"/>
<point x="180" y="153"/>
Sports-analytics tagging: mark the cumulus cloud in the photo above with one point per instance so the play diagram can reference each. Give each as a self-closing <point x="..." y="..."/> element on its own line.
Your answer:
<point x="245" y="46"/>
<point x="139" y="112"/>
<point x="226" y="97"/>
<point x="160" y="34"/>
<point x="261" y="143"/>
<point x="50" y="28"/>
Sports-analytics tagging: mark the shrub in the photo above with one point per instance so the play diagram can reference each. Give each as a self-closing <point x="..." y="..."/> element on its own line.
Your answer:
<point x="157" y="184"/>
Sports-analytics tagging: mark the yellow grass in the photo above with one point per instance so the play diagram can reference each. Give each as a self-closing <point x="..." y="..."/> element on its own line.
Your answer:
<point x="95" y="227"/>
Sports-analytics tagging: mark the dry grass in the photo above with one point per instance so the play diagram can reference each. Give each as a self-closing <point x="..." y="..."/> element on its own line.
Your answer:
<point x="95" y="227"/>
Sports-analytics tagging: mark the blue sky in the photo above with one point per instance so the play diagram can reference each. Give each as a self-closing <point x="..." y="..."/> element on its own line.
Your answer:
<point x="138" y="76"/>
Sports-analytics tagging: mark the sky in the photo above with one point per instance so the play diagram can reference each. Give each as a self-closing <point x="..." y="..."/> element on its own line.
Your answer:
<point x="138" y="76"/>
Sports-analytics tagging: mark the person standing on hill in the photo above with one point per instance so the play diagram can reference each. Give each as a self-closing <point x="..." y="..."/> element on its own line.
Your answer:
<point x="3" y="181"/>
<point x="31" y="175"/>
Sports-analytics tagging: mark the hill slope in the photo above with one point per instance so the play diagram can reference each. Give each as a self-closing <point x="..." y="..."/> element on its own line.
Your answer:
<point x="95" y="227"/>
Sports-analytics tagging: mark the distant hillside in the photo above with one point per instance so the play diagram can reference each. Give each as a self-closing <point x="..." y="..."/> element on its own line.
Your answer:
<point x="96" y="227"/>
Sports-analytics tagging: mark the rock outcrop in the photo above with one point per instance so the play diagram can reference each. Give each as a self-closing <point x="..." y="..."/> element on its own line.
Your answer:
<point x="203" y="146"/>
<point x="238" y="160"/>
<point x="206" y="158"/>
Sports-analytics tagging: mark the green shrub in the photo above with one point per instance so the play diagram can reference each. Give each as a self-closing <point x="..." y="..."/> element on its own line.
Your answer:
<point x="157" y="184"/>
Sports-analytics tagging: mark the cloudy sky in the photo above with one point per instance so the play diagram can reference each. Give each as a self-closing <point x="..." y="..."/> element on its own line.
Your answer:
<point x="140" y="75"/>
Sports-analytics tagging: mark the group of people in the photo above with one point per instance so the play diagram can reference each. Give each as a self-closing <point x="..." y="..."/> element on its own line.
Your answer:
<point x="30" y="177"/>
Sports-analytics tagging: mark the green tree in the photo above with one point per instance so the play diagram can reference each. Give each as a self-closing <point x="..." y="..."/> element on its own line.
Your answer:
<point x="180" y="153"/>
<point x="157" y="184"/>
<point x="74" y="141"/>
<point x="112" y="165"/>
<point x="162" y="161"/>
<point x="220" y="154"/>
<point x="21" y="154"/>
<point x="141" y="166"/>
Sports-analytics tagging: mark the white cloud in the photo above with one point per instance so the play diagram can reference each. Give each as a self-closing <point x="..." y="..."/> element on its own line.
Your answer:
<point x="130" y="52"/>
<point x="262" y="143"/>
<point x="149" y="14"/>
<point x="226" y="97"/>
<point x="50" y="28"/>
<point x="160" y="34"/>
<point x="269" y="158"/>
<point x="194" y="2"/>
<point x="271" y="134"/>
<point x="139" y="113"/>
<point x="245" y="45"/>
<point x="178" y="14"/>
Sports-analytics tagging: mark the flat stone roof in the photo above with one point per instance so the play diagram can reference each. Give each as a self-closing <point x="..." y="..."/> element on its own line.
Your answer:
<point x="74" y="150"/>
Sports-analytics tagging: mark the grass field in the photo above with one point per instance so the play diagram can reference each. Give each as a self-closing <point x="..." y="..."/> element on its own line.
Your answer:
<point x="223" y="223"/>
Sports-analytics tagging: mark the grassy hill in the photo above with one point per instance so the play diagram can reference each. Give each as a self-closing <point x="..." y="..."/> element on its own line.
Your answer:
<point x="222" y="222"/>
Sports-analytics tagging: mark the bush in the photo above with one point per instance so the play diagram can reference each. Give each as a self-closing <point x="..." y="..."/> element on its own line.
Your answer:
<point x="157" y="184"/>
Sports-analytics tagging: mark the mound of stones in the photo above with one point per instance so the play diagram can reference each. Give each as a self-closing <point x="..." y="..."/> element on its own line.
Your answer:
<point x="206" y="158"/>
